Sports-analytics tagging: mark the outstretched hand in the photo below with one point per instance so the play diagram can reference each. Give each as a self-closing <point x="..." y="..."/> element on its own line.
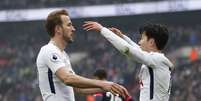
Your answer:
<point x="116" y="31"/>
<point x="92" y="25"/>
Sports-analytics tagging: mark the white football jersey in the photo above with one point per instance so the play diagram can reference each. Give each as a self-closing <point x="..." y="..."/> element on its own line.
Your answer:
<point x="155" y="73"/>
<point x="155" y="81"/>
<point x="49" y="60"/>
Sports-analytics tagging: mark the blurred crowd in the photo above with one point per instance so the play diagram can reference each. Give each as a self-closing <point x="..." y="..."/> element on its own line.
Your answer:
<point x="20" y="4"/>
<point x="19" y="48"/>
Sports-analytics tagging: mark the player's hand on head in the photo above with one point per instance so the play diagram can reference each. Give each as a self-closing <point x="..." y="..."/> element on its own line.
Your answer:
<point x="92" y="25"/>
<point x="116" y="31"/>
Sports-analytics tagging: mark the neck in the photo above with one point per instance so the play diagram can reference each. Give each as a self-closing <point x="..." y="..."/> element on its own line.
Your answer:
<point x="61" y="44"/>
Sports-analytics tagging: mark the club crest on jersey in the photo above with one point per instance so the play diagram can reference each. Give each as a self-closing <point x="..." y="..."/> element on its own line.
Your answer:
<point x="54" y="57"/>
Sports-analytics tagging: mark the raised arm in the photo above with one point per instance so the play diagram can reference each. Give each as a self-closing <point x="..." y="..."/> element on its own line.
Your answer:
<point x="123" y="35"/>
<point x="132" y="51"/>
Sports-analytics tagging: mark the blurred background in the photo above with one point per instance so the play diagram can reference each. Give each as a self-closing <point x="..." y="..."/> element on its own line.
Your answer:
<point x="22" y="33"/>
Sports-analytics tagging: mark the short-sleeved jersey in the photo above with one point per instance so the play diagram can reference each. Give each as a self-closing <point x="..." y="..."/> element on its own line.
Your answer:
<point x="49" y="60"/>
<point x="155" y="73"/>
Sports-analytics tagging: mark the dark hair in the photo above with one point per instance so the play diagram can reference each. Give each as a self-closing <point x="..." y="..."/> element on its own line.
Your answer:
<point x="158" y="32"/>
<point x="53" y="19"/>
<point x="101" y="74"/>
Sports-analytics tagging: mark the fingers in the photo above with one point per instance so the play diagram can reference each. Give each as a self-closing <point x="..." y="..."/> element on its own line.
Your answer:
<point x="87" y="26"/>
<point x="116" y="31"/>
<point x="118" y="89"/>
<point x="125" y="91"/>
<point x="91" y="25"/>
<point x="113" y="29"/>
<point x="115" y="89"/>
<point x="88" y="23"/>
<point x="113" y="92"/>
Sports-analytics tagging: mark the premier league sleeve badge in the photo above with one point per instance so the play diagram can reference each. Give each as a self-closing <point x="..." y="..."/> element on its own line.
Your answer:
<point x="54" y="57"/>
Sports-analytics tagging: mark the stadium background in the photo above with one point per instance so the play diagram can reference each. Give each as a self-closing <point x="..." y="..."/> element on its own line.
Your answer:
<point x="20" y="42"/>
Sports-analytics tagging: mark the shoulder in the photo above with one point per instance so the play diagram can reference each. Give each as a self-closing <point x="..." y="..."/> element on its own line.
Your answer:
<point x="157" y="55"/>
<point x="161" y="59"/>
<point x="49" y="49"/>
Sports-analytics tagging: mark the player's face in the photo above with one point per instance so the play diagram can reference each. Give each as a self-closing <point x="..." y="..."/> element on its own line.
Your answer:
<point x="144" y="42"/>
<point x="68" y="29"/>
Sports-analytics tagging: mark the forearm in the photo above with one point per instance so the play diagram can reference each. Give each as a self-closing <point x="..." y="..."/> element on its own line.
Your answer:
<point x="81" y="82"/>
<point x="74" y="80"/>
<point x="115" y="40"/>
<point x="88" y="90"/>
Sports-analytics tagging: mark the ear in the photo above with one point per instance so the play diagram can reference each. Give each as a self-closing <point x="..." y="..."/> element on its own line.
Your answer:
<point x="152" y="42"/>
<point x="57" y="29"/>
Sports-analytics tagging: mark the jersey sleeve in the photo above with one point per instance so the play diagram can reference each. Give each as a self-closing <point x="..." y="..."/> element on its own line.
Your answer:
<point x="132" y="51"/>
<point x="53" y="60"/>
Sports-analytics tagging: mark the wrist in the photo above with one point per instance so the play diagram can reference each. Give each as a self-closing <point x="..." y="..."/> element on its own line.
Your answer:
<point x="102" y="84"/>
<point x="101" y="28"/>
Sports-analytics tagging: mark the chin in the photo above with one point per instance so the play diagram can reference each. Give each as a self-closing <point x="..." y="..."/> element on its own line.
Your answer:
<point x="70" y="41"/>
